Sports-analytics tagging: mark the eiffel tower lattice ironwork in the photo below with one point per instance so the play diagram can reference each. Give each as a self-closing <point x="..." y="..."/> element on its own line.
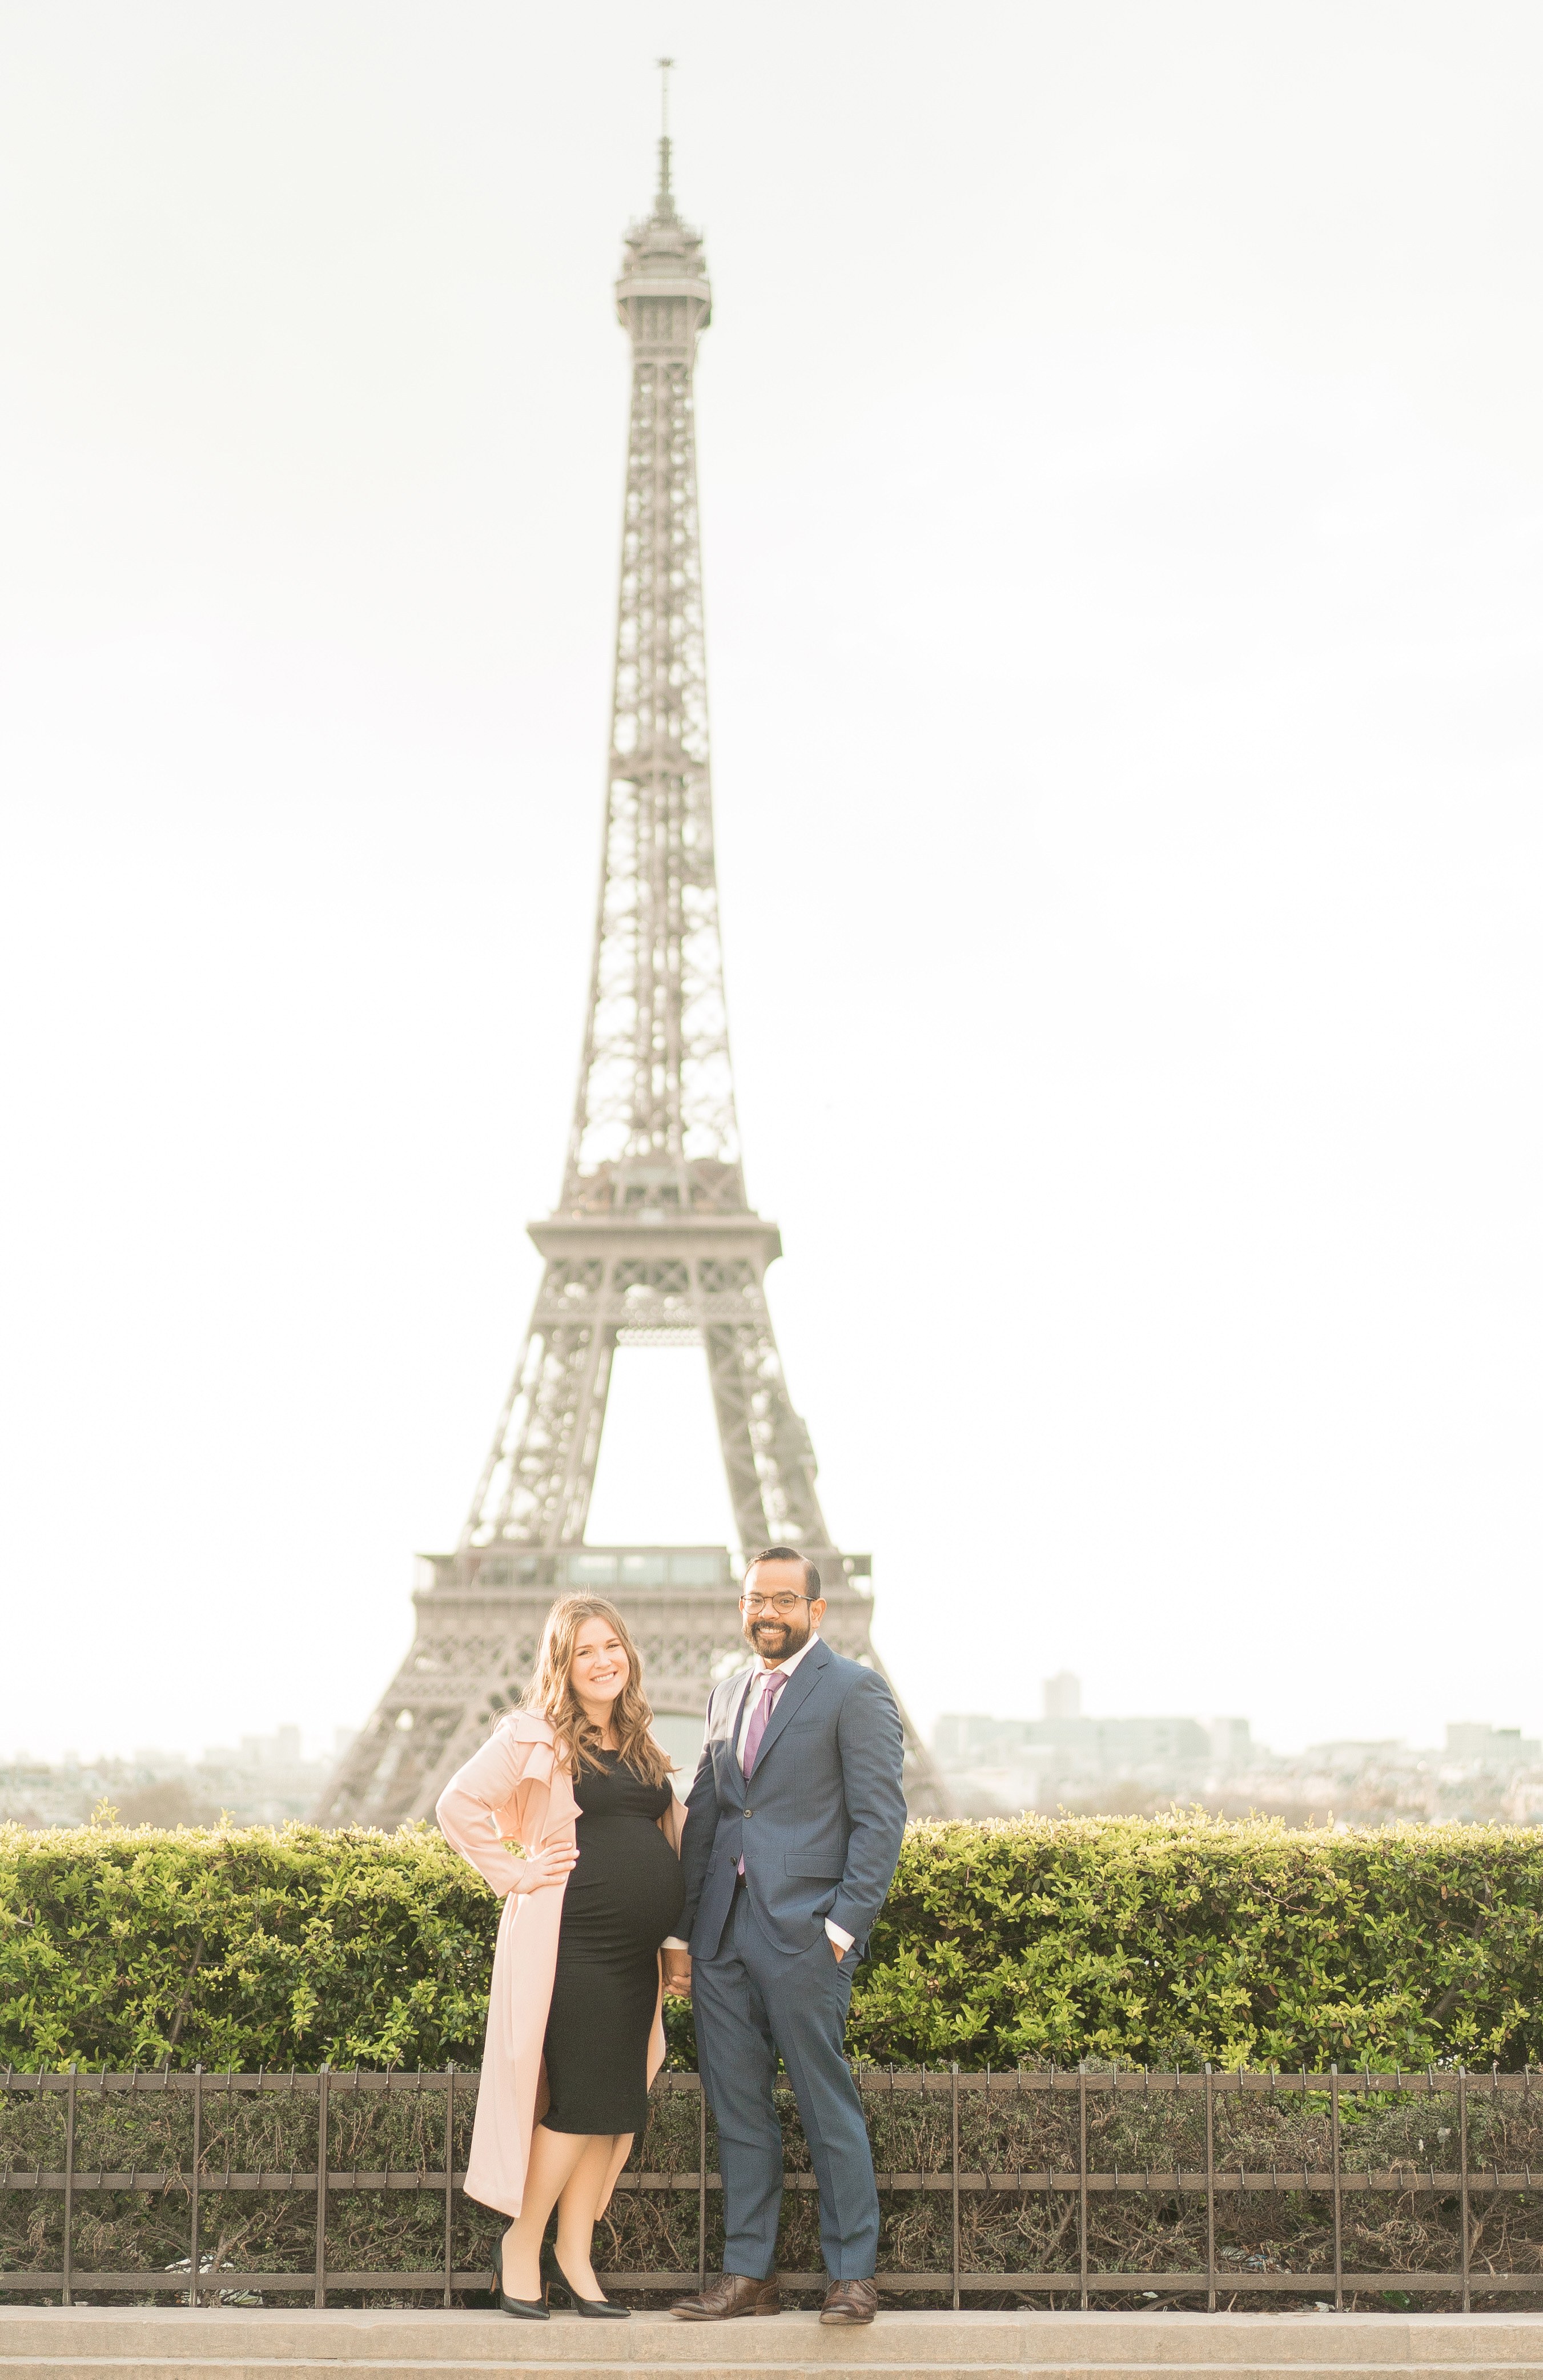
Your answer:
<point x="653" y="1241"/>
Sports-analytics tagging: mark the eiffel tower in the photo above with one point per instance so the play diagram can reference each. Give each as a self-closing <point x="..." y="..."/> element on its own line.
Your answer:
<point x="653" y="1243"/>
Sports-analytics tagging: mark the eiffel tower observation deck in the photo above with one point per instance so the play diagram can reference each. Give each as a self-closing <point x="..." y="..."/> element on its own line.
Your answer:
<point x="653" y="1241"/>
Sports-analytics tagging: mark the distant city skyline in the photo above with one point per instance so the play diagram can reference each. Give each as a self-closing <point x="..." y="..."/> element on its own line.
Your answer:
<point x="1060" y="1717"/>
<point x="1066" y="1760"/>
<point x="1071" y="1759"/>
<point x="1225" y="1739"/>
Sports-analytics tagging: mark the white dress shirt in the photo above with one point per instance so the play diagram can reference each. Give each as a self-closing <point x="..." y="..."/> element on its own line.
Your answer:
<point x="758" y="1676"/>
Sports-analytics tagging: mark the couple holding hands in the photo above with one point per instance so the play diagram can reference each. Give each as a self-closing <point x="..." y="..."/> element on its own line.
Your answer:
<point x="755" y="1898"/>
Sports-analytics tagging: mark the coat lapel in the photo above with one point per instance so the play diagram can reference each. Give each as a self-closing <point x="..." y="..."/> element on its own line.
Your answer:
<point x="744" y="1686"/>
<point x="798" y="1688"/>
<point x="543" y="1802"/>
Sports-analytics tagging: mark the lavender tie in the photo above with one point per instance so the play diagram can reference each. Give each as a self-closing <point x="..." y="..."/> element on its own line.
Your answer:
<point x="760" y="1717"/>
<point x="775" y="1682"/>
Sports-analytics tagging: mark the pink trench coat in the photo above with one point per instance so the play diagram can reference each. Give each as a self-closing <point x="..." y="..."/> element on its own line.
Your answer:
<point x="516" y="1791"/>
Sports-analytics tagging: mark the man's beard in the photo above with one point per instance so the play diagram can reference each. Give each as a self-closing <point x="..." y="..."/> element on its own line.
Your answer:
<point x="782" y="1637"/>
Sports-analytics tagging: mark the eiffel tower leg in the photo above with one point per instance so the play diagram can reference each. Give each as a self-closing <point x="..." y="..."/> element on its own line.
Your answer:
<point x="731" y="1398"/>
<point x="767" y="1453"/>
<point x="540" y="1472"/>
<point x="588" y="1388"/>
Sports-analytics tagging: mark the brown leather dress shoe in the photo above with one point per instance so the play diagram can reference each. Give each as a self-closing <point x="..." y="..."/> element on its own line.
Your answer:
<point x="849" y="2303"/>
<point x="733" y="2294"/>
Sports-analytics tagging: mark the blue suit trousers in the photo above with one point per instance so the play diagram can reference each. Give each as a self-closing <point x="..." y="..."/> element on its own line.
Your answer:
<point x="751" y="2002"/>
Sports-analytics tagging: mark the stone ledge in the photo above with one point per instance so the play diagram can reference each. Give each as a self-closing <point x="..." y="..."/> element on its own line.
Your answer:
<point x="235" y="2343"/>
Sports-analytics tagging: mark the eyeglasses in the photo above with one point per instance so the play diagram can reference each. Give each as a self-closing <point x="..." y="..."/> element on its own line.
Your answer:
<point x="780" y="1603"/>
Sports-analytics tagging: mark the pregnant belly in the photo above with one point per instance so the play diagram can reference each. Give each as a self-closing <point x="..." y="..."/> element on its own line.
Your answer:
<point x="627" y="1893"/>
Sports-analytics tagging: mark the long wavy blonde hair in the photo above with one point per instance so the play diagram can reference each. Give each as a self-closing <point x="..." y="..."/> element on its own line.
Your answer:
<point x="550" y="1693"/>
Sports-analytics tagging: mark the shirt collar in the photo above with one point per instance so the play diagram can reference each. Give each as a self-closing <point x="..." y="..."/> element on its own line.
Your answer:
<point x="786" y="1668"/>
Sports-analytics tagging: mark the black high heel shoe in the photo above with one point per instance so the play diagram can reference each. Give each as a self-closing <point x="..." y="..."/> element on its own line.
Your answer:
<point x="526" y="2309"/>
<point x="592" y="2309"/>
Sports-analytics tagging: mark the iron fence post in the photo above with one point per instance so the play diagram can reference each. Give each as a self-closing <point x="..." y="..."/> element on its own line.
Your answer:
<point x="1463" y="2155"/>
<point x="1339" y="2239"/>
<point x="449" y="2167"/>
<point x="953" y="2170"/>
<point x="1210" y="2192"/>
<point x="193" y="2188"/>
<point x="701" y="2183"/>
<point x="66" y="2295"/>
<point x="322" y="2082"/>
<point x="1082" y="2177"/>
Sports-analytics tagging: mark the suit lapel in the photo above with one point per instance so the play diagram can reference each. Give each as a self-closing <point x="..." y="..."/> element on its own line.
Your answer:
<point x="798" y="1688"/>
<point x="750" y="1677"/>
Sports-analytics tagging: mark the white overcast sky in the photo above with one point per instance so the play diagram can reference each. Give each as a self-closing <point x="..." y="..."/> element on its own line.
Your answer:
<point x="1122" y="449"/>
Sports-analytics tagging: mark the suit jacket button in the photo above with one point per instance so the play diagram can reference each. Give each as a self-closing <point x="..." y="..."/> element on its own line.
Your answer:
<point x="750" y="1814"/>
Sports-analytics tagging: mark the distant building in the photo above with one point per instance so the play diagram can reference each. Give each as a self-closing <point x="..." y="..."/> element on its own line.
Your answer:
<point x="1492" y="1747"/>
<point x="1232" y="1745"/>
<point x="1099" y="1746"/>
<point x="1062" y="1696"/>
<point x="1354" y="1753"/>
<point x="1035" y="1764"/>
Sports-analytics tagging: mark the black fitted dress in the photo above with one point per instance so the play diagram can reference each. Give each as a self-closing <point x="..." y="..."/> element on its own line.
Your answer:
<point x="621" y="1900"/>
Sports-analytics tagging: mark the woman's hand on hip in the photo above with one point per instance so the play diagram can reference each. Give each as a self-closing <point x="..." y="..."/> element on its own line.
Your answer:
<point x="551" y="1864"/>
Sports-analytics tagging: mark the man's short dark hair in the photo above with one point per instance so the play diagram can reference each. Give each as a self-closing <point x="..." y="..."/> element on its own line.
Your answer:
<point x="788" y="1553"/>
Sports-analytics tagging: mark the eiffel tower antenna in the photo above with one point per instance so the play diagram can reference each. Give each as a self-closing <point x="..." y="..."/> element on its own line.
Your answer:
<point x="653" y="1241"/>
<point x="664" y="205"/>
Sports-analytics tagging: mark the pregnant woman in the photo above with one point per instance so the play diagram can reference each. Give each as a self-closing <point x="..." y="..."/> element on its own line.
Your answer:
<point x="575" y="2035"/>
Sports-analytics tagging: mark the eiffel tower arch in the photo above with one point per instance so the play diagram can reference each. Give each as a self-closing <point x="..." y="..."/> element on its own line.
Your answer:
<point x="653" y="1241"/>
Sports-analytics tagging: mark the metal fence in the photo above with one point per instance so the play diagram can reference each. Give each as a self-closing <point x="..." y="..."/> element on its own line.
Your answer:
<point x="1213" y="2181"/>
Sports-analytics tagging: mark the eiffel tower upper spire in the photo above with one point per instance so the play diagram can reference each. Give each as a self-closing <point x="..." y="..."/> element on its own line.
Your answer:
<point x="654" y="1122"/>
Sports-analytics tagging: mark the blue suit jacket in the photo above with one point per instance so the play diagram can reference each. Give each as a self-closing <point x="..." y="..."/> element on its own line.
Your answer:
<point x="820" y="1820"/>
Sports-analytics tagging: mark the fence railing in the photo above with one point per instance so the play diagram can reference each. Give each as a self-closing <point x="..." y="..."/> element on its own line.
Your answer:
<point x="1091" y="2093"/>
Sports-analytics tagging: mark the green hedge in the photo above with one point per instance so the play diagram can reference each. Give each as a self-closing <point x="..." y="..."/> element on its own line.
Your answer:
<point x="1141" y="1942"/>
<point x="1176" y="1940"/>
<point x="240" y="1948"/>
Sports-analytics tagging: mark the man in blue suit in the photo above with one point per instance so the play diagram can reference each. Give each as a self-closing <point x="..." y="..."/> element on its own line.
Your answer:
<point x="792" y="1828"/>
